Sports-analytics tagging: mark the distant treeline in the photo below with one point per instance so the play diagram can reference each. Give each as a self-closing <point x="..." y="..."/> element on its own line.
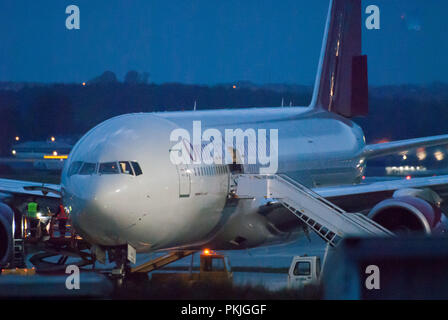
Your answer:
<point x="37" y="111"/>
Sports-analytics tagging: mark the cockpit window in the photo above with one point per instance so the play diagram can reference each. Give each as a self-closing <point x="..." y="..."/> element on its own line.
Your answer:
<point x="119" y="167"/>
<point x="108" y="168"/>
<point x="74" y="168"/>
<point x="125" y="167"/>
<point x="138" y="171"/>
<point x="87" y="169"/>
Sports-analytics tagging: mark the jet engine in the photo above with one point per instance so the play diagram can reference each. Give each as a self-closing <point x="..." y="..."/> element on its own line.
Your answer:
<point x="6" y="234"/>
<point x="411" y="211"/>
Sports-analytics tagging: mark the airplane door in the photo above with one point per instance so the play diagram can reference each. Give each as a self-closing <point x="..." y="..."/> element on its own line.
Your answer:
<point x="184" y="181"/>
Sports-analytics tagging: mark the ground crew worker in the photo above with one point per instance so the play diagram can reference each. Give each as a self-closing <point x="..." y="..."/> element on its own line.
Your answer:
<point x="62" y="218"/>
<point x="33" y="207"/>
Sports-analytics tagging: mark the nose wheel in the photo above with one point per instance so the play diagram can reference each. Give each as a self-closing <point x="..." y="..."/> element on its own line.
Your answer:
<point x="121" y="257"/>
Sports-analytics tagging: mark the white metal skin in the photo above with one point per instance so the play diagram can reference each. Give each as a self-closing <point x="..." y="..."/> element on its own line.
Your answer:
<point x="147" y="211"/>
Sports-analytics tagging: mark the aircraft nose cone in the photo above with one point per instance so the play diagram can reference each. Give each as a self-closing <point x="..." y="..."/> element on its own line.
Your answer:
<point x="99" y="210"/>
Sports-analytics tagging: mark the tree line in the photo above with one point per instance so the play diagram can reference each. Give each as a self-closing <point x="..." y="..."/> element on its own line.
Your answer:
<point x="36" y="112"/>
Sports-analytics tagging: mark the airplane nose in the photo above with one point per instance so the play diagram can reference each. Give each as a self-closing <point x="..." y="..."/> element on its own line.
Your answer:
<point x="113" y="207"/>
<point x="99" y="209"/>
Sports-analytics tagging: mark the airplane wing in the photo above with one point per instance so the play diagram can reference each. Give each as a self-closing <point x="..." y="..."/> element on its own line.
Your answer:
<point x="16" y="187"/>
<point x="356" y="198"/>
<point x="382" y="149"/>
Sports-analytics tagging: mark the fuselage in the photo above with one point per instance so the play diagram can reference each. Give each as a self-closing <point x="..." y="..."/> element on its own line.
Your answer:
<point x="150" y="202"/>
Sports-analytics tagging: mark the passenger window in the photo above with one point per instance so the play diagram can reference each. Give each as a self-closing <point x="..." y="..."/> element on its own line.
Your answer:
<point x="125" y="167"/>
<point x="74" y="168"/>
<point x="302" y="269"/>
<point x="108" y="168"/>
<point x="137" y="170"/>
<point x="87" y="169"/>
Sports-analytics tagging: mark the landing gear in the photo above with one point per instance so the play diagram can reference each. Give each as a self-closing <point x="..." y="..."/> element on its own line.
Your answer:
<point x="122" y="256"/>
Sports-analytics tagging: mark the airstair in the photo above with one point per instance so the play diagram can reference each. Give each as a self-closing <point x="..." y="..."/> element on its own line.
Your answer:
<point x="330" y="222"/>
<point x="162" y="261"/>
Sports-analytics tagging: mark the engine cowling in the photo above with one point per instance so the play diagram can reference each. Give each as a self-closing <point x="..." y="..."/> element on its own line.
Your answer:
<point x="411" y="211"/>
<point x="6" y="234"/>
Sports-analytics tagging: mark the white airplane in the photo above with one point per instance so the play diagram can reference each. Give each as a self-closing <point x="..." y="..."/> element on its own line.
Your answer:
<point x="122" y="188"/>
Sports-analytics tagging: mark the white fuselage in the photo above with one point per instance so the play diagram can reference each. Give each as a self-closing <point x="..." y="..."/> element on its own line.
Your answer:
<point x="171" y="206"/>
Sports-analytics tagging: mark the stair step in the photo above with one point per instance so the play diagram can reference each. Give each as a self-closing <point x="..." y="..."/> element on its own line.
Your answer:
<point x="329" y="221"/>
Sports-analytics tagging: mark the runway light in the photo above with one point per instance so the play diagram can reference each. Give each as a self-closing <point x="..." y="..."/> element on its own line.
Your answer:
<point x="14" y="152"/>
<point x="206" y="252"/>
<point x="61" y="157"/>
<point x="363" y="177"/>
<point x="83" y="84"/>
<point x="405" y="157"/>
<point x="55" y="153"/>
<point x="234" y="86"/>
<point x="53" y="139"/>
<point x="439" y="155"/>
<point x="408" y="177"/>
<point x="17" y="138"/>
<point x="421" y="154"/>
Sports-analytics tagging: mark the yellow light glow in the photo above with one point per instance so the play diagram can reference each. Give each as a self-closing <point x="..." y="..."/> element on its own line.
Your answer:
<point x="17" y="138"/>
<point x="14" y="152"/>
<point x="53" y="139"/>
<point x="84" y="84"/>
<point x="206" y="252"/>
<point x="439" y="155"/>
<point x="56" y="157"/>
<point x="405" y="157"/>
<point x="55" y="153"/>
<point x="234" y="87"/>
<point x="421" y="155"/>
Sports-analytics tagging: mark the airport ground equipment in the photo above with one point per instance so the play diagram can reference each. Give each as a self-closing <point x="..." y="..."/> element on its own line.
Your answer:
<point x="214" y="268"/>
<point x="18" y="253"/>
<point x="303" y="271"/>
<point x="162" y="261"/>
<point x="330" y="222"/>
<point x="26" y="272"/>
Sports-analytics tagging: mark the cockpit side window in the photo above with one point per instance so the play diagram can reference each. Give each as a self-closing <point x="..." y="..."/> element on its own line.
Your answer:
<point x="74" y="168"/>
<point x="125" y="167"/>
<point x="108" y="168"/>
<point x="87" y="169"/>
<point x="137" y="170"/>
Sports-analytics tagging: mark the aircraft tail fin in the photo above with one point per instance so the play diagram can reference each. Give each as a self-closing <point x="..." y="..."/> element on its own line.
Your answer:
<point x="341" y="83"/>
